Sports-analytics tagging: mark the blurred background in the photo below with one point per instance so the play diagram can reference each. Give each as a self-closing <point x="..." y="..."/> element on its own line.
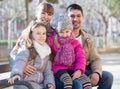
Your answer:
<point x="102" y="21"/>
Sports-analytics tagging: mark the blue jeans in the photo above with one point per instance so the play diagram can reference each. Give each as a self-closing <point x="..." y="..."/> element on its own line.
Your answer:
<point x="76" y="84"/>
<point x="105" y="82"/>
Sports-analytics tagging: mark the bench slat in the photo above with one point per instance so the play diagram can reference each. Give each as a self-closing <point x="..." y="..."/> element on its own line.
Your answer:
<point x="4" y="67"/>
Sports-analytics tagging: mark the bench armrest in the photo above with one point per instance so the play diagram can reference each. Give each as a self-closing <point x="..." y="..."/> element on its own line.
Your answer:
<point x="4" y="83"/>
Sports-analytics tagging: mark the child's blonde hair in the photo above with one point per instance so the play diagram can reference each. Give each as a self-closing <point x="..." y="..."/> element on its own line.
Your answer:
<point x="27" y="34"/>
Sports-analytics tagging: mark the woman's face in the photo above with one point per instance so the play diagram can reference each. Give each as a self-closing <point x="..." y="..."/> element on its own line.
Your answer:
<point x="39" y="35"/>
<point x="44" y="17"/>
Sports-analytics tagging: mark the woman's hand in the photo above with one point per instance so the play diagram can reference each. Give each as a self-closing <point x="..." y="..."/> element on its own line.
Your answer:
<point x="11" y="80"/>
<point x="29" y="69"/>
<point x="76" y="74"/>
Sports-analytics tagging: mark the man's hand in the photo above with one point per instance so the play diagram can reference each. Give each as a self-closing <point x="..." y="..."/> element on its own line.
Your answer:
<point x="50" y="86"/>
<point x="94" y="77"/>
<point x="76" y="74"/>
<point x="29" y="69"/>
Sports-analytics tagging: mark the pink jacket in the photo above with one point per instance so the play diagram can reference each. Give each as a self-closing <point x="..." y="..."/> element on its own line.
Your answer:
<point x="79" y="63"/>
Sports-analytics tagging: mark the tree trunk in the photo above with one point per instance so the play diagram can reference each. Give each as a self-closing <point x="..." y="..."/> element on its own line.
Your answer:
<point x="27" y="11"/>
<point x="106" y="27"/>
<point x="3" y="24"/>
<point x="41" y="1"/>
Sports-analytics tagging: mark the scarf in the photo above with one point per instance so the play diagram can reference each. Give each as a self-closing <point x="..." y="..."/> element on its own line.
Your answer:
<point x="42" y="50"/>
<point x="65" y="54"/>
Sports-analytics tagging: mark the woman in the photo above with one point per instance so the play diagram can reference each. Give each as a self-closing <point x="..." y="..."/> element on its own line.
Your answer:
<point x="44" y="13"/>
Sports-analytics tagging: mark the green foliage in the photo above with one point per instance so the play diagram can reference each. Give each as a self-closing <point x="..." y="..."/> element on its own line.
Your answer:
<point x="114" y="6"/>
<point x="5" y="42"/>
<point x="12" y="12"/>
<point x="11" y="7"/>
<point x="110" y="3"/>
<point x="52" y="1"/>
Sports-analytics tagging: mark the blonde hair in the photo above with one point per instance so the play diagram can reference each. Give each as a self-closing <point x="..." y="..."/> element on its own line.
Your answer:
<point x="27" y="34"/>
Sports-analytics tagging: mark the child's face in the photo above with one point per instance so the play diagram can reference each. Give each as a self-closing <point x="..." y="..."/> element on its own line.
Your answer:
<point x="64" y="33"/>
<point x="39" y="34"/>
<point x="44" y="17"/>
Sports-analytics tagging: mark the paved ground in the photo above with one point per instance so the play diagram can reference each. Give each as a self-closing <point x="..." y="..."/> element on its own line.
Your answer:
<point x="111" y="62"/>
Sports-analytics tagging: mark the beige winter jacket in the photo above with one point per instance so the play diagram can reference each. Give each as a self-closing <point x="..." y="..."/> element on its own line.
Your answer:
<point x="92" y="58"/>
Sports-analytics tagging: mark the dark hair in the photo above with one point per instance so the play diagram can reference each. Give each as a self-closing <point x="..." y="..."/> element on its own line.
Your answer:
<point x="46" y="7"/>
<point x="73" y="7"/>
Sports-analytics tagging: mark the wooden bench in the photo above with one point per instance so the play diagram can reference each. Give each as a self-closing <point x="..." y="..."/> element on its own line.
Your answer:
<point x="5" y="67"/>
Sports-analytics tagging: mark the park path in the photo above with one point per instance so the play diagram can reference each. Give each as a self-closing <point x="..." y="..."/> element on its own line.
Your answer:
<point x="111" y="63"/>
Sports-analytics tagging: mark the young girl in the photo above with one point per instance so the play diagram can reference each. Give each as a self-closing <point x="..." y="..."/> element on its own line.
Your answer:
<point x="36" y="49"/>
<point x="69" y="57"/>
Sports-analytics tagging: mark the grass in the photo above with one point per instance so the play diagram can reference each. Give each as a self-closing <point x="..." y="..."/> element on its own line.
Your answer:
<point x="5" y="42"/>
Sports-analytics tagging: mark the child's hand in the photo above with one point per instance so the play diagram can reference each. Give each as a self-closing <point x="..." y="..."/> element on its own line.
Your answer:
<point x="11" y="80"/>
<point x="76" y="74"/>
<point x="50" y="86"/>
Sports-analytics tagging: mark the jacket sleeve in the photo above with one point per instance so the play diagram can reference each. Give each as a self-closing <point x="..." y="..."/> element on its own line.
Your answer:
<point x="48" y="74"/>
<point x="51" y="40"/>
<point x="14" y="51"/>
<point x="80" y="62"/>
<point x="94" y="58"/>
<point x="20" y="61"/>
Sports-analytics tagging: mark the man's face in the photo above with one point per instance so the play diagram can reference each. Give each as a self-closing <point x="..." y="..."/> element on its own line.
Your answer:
<point x="76" y="17"/>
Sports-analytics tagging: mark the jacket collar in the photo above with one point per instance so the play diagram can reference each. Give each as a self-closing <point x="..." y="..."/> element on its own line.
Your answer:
<point x="84" y="36"/>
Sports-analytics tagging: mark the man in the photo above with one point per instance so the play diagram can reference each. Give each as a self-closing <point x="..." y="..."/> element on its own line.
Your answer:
<point x="98" y="77"/>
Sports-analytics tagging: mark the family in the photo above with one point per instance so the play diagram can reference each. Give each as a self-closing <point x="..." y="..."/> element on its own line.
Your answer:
<point x="60" y="58"/>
